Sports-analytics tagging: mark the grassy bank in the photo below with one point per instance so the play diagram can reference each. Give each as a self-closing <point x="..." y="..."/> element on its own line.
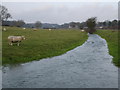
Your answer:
<point x="112" y="39"/>
<point x="39" y="44"/>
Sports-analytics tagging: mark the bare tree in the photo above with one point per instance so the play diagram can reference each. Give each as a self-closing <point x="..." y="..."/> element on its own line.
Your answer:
<point x="114" y="24"/>
<point x="38" y="24"/>
<point x="4" y="15"/>
<point x="19" y="23"/>
<point x="72" y="24"/>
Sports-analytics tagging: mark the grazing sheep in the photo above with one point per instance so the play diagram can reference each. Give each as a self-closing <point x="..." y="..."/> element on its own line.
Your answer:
<point x="49" y="29"/>
<point x="15" y="39"/>
<point x="24" y="28"/>
<point x="82" y="30"/>
<point x="4" y="29"/>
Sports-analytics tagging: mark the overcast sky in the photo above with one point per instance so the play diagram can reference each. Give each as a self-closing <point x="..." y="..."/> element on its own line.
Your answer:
<point x="62" y="12"/>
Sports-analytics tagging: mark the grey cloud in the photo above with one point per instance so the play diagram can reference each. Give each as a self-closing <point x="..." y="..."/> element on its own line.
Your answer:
<point x="63" y="12"/>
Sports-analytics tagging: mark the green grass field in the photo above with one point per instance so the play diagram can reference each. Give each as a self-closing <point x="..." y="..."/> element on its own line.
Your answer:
<point x="113" y="44"/>
<point x="44" y="43"/>
<point x="39" y="44"/>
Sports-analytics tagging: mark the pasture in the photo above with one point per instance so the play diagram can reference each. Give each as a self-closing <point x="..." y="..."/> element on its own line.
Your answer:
<point x="39" y="44"/>
<point x="112" y="38"/>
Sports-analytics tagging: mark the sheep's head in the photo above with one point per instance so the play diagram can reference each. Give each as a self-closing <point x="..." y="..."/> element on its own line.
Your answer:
<point x="23" y="37"/>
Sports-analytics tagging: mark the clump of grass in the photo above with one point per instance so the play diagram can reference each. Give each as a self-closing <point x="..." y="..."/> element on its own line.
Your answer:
<point x="39" y="44"/>
<point x="111" y="36"/>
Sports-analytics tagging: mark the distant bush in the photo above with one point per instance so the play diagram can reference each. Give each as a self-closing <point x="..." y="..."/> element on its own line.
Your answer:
<point x="91" y="24"/>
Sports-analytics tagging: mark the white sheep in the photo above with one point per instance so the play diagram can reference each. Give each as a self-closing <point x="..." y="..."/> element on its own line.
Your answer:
<point x="49" y="29"/>
<point x="4" y="29"/>
<point x="24" y="28"/>
<point x="15" y="39"/>
<point x="82" y="30"/>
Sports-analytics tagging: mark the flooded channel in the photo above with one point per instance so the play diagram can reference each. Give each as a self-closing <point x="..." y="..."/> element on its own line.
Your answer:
<point x="86" y="66"/>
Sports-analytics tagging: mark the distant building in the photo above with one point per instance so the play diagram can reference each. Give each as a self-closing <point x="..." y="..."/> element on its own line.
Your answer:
<point x="64" y="26"/>
<point x="50" y="26"/>
<point x="85" y="28"/>
<point x="7" y="23"/>
<point x="29" y="25"/>
<point x="75" y="27"/>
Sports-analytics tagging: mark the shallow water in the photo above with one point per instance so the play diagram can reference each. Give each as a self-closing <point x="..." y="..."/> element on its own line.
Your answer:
<point x="87" y="66"/>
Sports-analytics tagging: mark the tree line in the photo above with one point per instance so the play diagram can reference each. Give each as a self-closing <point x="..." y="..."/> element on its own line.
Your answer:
<point x="114" y="24"/>
<point x="5" y="15"/>
<point x="91" y="23"/>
